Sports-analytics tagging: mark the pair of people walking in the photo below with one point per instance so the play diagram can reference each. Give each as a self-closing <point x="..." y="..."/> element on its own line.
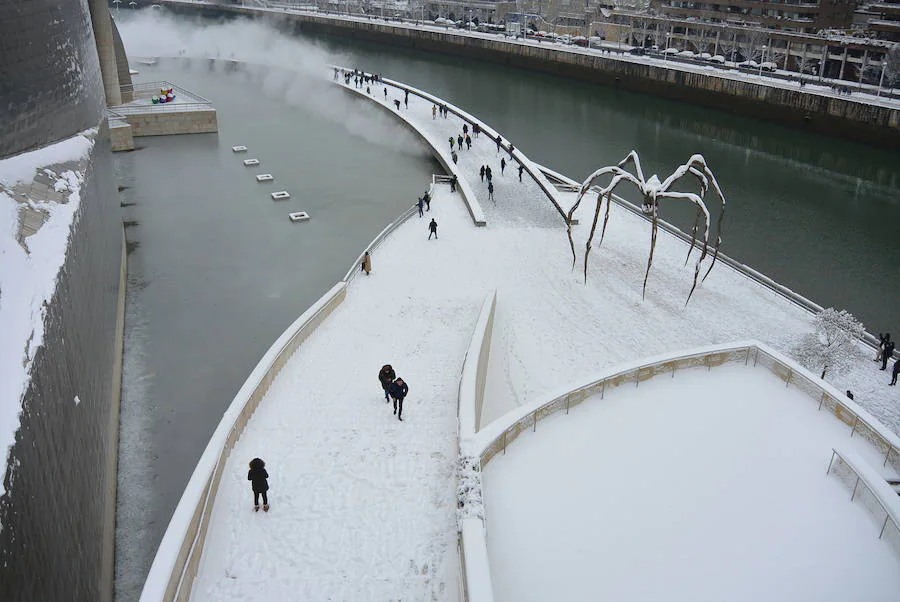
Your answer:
<point x="395" y="388"/>
<point x="885" y="351"/>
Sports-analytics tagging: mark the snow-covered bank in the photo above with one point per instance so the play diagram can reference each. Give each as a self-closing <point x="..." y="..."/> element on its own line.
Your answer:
<point x="30" y="262"/>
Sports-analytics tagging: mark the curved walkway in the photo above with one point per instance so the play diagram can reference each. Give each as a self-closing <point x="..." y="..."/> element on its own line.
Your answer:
<point x="363" y="507"/>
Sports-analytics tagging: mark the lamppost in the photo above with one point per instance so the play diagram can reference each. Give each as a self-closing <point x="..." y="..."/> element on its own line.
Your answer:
<point x="666" y="51"/>
<point x="762" y="59"/>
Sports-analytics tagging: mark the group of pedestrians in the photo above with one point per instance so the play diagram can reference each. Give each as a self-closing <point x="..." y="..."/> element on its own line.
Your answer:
<point x="424" y="201"/>
<point x="884" y="353"/>
<point x="395" y="388"/>
<point x="441" y="110"/>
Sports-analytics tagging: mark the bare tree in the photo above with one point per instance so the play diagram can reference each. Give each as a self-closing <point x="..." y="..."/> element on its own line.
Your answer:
<point x="833" y="344"/>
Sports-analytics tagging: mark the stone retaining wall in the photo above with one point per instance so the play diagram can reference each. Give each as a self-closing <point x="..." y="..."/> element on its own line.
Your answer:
<point x="844" y="117"/>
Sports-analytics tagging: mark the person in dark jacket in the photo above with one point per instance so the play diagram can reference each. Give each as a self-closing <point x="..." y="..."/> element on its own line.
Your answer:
<point x="895" y="372"/>
<point x="882" y="339"/>
<point x="488" y="173"/>
<point x="887" y="353"/>
<point x="481" y="173"/>
<point x="491" y="191"/>
<point x="502" y="166"/>
<point x="521" y="169"/>
<point x="427" y="198"/>
<point x="406" y="99"/>
<point x="386" y="376"/>
<point x="258" y="476"/>
<point x="459" y="141"/>
<point x="468" y="142"/>
<point x="499" y="140"/>
<point x="421" y="203"/>
<point x="432" y="229"/>
<point x="399" y="389"/>
<point x="453" y="183"/>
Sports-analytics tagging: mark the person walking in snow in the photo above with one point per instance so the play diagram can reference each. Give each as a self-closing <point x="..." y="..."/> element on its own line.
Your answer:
<point x="406" y="98"/>
<point x="258" y="478"/>
<point x="511" y="149"/>
<point x="476" y="129"/>
<point x="427" y="198"/>
<point x="882" y="339"/>
<point x="397" y="104"/>
<point x="420" y="204"/>
<point x="502" y="166"/>
<point x="465" y="128"/>
<point x="481" y="173"/>
<point x="454" y="157"/>
<point x="452" y="142"/>
<point x="434" y="111"/>
<point x="488" y="173"/>
<point x="468" y="142"/>
<point x="453" y="183"/>
<point x="432" y="229"/>
<point x="366" y="264"/>
<point x="385" y="94"/>
<point x="521" y="169"/>
<point x="459" y="141"/>
<point x="399" y="389"/>
<point x="895" y="372"/>
<point x="491" y="191"/>
<point x="498" y="141"/>
<point x="887" y="353"/>
<point x="386" y="376"/>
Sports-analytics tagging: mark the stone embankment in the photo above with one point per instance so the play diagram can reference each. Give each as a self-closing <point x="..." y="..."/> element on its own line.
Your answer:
<point x="849" y="117"/>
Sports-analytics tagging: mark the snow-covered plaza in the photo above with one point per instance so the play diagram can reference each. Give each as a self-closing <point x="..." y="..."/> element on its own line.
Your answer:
<point x="364" y="506"/>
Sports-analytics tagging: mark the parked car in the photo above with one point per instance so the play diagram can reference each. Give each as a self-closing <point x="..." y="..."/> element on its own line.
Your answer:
<point x="580" y="41"/>
<point x="686" y="54"/>
<point x="718" y="58"/>
<point x="637" y="51"/>
<point x="768" y="66"/>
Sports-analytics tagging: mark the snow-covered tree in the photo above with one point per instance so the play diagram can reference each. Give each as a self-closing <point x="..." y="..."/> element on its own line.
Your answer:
<point x="833" y="344"/>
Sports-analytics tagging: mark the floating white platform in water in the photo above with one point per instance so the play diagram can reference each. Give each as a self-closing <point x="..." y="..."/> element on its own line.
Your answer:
<point x="280" y="195"/>
<point x="265" y="177"/>
<point x="249" y="162"/>
<point x="240" y="148"/>
<point x="299" y="216"/>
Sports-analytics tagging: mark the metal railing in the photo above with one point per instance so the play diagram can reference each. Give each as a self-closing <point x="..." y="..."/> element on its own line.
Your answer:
<point x="861" y="422"/>
<point x="878" y="487"/>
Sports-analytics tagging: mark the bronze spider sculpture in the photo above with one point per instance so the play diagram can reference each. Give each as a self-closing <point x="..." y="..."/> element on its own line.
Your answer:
<point x="653" y="191"/>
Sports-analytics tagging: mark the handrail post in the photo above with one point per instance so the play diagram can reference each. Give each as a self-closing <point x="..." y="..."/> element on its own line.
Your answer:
<point x="637" y="376"/>
<point x="747" y="356"/>
<point x="888" y="454"/>
<point x="853" y="495"/>
<point x="504" y="443"/>
<point x="567" y="405"/>
<point x="674" y="366"/>
<point x="833" y="453"/>
<point x="821" y="400"/>
<point x="603" y="390"/>
<point x="756" y="357"/>
<point x="790" y="375"/>
<point x="708" y="366"/>
<point x="884" y="524"/>
<point x="534" y="426"/>
<point x="853" y="430"/>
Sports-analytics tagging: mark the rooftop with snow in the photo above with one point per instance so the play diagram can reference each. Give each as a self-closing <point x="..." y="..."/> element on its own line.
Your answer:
<point x="710" y="485"/>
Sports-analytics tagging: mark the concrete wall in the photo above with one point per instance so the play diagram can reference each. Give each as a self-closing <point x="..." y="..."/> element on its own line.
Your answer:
<point x="842" y="117"/>
<point x="50" y="82"/>
<point x="163" y="123"/>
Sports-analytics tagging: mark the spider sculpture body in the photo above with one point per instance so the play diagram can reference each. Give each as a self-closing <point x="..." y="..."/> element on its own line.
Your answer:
<point x="653" y="191"/>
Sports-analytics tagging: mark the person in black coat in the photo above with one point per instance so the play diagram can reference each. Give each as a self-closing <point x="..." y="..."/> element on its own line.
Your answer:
<point x="432" y="229"/>
<point x="895" y="372"/>
<point x="386" y="376"/>
<point x="258" y="476"/>
<point x="399" y="389"/>
<point x="882" y="339"/>
<point x="887" y="353"/>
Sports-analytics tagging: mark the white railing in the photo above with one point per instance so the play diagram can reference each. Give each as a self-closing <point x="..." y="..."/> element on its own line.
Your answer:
<point x="877" y="486"/>
<point x="498" y="435"/>
<point x="177" y="559"/>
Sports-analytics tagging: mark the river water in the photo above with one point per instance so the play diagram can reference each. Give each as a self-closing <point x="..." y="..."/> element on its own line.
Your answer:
<point x="217" y="271"/>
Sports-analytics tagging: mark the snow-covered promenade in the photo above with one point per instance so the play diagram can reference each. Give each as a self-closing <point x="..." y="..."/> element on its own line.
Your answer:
<point x="363" y="506"/>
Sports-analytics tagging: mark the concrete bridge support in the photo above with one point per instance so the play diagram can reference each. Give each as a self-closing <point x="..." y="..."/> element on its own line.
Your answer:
<point x="106" y="51"/>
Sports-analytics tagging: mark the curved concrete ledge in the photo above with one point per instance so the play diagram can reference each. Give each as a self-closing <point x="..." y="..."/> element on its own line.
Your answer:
<point x="501" y="432"/>
<point x="178" y="556"/>
<point x="497" y="435"/>
<point x="437" y="149"/>
<point x="474" y="372"/>
<point x="473" y="556"/>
